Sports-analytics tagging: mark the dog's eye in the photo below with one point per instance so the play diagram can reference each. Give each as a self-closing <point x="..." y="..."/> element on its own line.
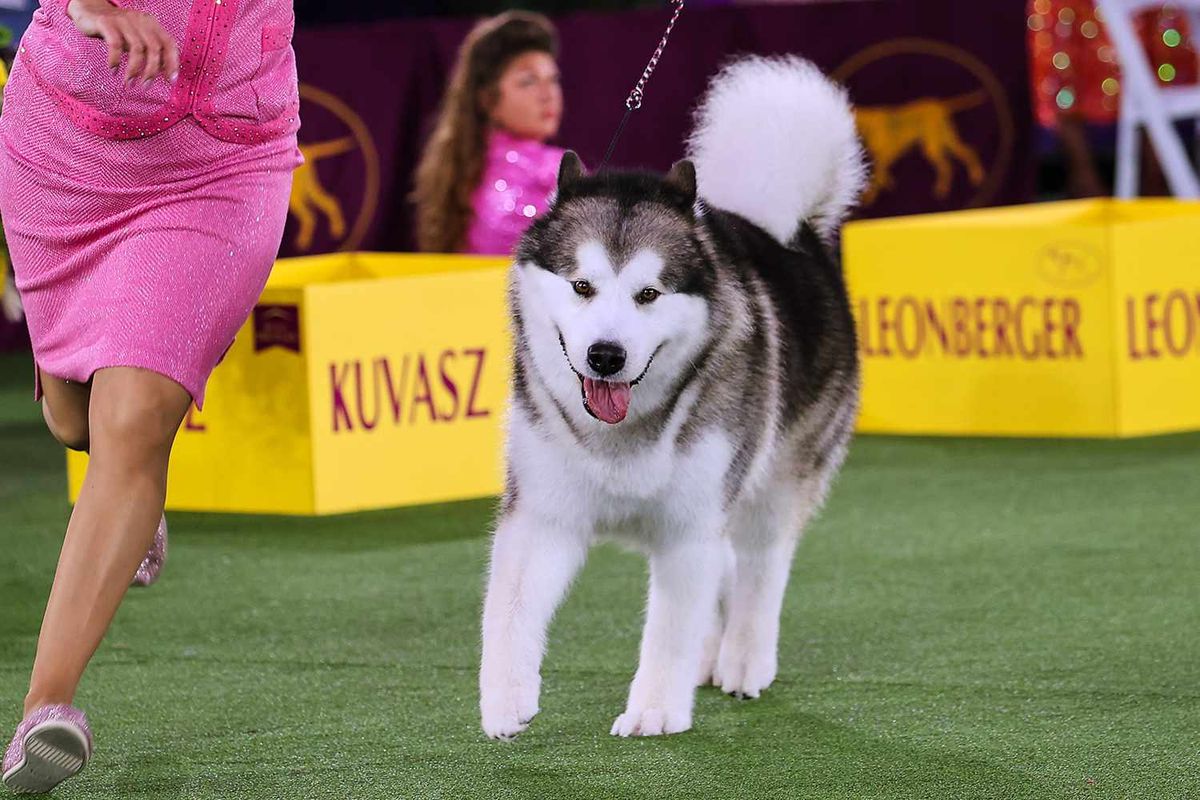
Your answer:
<point x="647" y="295"/>
<point x="583" y="288"/>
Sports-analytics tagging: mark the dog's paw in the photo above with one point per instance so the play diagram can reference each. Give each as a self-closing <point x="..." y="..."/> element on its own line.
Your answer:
<point x="652" y="722"/>
<point x="745" y="671"/>
<point x="507" y="709"/>
<point x="503" y="727"/>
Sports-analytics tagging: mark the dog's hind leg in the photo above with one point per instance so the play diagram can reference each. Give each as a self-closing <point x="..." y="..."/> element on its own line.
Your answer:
<point x="710" y="648"/>
<point x="942" y="165"/>
<point x="306" y="219"/>
<point x="968" y="157"/>
<point x="764" y="531"/>
<point x="533" y="563"/>
<point x="685" y="576"/>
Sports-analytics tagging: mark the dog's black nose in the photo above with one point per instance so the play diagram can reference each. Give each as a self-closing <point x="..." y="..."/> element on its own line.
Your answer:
<point x="606" y="358"/>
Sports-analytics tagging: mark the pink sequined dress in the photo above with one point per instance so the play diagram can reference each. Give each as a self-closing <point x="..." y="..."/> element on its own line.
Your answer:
<point x="143" y="220"/>
<point x="519" y="176"/>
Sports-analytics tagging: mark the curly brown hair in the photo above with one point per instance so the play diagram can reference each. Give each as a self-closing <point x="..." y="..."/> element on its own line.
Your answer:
<point x="452" y="163"/>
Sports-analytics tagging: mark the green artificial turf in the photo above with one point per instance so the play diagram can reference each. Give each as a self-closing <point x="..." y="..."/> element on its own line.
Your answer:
<point x="974" y="619"/>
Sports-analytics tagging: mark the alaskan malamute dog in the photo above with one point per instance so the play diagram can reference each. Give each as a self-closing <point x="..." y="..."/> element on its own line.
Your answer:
<point x="685" y="380"/>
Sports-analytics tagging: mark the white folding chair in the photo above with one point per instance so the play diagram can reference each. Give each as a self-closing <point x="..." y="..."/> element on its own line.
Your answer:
<point x="1145" y="102"/>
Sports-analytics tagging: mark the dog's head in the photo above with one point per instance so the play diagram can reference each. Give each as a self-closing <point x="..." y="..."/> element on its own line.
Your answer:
<point x="612" y="288"/>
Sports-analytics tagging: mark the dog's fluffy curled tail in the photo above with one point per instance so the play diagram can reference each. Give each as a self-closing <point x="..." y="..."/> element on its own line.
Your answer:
<point x="775" y="142"/>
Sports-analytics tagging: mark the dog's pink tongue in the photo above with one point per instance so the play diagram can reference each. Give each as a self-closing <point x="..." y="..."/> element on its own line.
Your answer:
<point x="608" y="401"/>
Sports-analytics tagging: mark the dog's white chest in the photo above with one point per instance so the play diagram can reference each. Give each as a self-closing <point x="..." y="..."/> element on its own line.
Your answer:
<point x="635" y="492"/>
<point x="643" y="475"/>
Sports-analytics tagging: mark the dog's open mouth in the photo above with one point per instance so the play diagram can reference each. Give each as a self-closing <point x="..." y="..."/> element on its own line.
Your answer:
<point x="607" y="401"/>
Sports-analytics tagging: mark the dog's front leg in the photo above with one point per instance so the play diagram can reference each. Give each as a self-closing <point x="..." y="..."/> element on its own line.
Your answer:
<point x="685" y="577"/>
<point x="533" y="562"/>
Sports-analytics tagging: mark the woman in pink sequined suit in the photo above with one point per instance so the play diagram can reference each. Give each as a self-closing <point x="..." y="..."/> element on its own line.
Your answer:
<point x="487" y="170"/>
<point x="146" y="154"/>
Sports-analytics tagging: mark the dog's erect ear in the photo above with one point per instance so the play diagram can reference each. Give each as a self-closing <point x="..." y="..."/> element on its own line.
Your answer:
<point x="570" y="170"/>
<point x="682" y="178"/>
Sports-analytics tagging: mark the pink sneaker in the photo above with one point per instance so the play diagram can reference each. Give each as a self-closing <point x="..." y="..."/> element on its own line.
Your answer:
<point x="151" y="566"/>
<point x="50" y="745"/>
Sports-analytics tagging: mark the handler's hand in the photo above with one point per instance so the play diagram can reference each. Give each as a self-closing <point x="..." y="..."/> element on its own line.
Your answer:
<point x="152" y="51"/>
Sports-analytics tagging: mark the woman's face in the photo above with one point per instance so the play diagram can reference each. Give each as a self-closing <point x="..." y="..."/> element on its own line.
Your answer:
<point x="528" y="99"/>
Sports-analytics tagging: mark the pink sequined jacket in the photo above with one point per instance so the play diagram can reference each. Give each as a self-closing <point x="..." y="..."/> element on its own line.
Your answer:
<point x="237" y="74"/>
<point x="518" y="177"/>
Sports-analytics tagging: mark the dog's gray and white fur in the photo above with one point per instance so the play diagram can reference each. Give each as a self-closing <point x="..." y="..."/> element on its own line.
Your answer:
<point x="685" y="380"/>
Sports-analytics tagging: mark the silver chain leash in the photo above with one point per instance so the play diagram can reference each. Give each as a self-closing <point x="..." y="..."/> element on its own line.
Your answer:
<point x="634" y="101"/>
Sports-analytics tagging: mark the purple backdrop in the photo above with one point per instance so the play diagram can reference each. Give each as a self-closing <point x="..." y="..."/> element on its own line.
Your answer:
<point x="942" y="85"/>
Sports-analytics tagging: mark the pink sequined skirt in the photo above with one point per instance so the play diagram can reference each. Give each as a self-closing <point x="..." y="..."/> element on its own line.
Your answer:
<point x="143" y="253"/>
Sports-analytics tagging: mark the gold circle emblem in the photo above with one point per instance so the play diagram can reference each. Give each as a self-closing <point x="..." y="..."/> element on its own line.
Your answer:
<point x="927" y="125"/>
<point x="315" y="209"/>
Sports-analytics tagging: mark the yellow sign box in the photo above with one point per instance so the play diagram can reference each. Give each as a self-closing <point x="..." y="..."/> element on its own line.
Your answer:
<point x="362" y="381"/>
<point x="1064" y="319"/>
<point x="376" y="380"/>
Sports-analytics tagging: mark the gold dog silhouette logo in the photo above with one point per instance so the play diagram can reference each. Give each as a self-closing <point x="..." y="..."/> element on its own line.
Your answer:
<point x="929" y="127"/>
<point x="890" y="132"/>
<point x="320" y="214"/>
<point x="310" y="198"/>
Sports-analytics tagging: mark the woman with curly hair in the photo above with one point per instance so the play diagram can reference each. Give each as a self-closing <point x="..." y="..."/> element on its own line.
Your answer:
<point x="487" y="170"/>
